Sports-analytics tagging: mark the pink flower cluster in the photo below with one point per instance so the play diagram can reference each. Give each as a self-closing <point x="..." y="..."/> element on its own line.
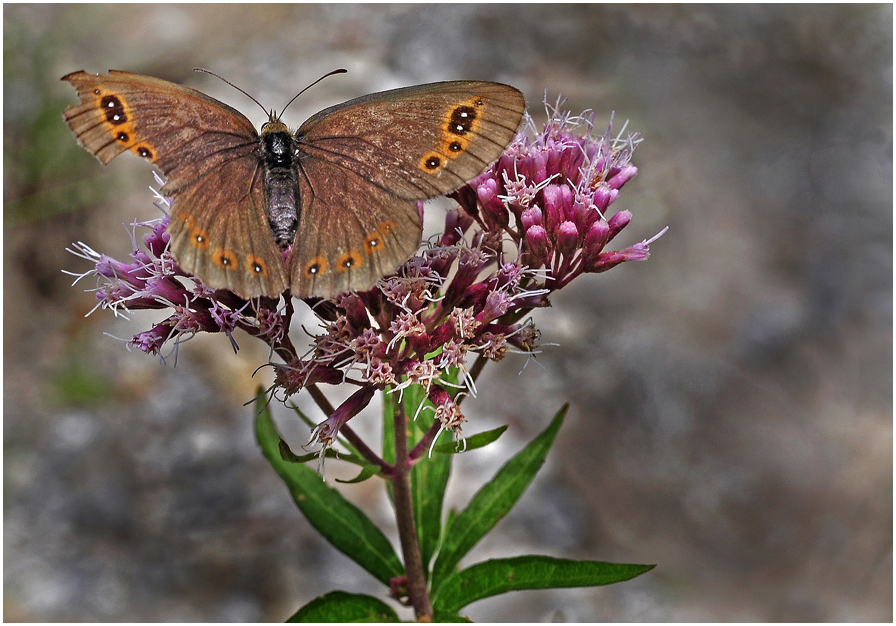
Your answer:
<point x="529" y="225"/>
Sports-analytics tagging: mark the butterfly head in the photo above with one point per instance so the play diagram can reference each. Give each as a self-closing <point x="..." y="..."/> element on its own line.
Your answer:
<point x="274" y="125"/>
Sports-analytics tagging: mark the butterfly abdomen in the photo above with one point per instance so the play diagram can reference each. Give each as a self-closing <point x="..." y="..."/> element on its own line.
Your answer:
<point x="280" y="184"/>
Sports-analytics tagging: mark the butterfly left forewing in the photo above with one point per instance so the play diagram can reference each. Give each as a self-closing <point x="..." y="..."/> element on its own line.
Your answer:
<point x="418" y="142"/>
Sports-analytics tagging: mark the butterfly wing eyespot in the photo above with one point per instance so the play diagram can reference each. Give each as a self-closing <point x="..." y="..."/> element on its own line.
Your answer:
<point x="349" y="261"/>
<point x="431" y="162"/>
<point x="199" y="238"/>
<point x="226" y="259"/>
<point x="256" y="265"/>
<point x="373" y="243"/>
<point x="316" y="267"/>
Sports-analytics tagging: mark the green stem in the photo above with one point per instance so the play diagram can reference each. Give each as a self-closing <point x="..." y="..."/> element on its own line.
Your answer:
<point x="404" y="514"/>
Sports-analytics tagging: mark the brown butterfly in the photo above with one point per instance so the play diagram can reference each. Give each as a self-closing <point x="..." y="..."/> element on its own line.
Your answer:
<point x="327" y="209"/>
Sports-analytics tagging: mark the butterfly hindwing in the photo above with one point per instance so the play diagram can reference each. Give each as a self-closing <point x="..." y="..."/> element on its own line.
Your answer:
<point x="351" y="231"/>
<point x="219" y="231"/>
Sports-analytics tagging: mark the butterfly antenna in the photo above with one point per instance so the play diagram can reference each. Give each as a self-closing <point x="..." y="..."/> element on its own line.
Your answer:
<point x="205" y="71"/>
<point x="339" y="71"/>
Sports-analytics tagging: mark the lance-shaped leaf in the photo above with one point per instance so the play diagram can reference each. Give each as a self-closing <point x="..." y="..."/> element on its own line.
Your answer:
<point x="493" y="501"/>
<point x="497" y="576"/>
<point x="338" y="520"/>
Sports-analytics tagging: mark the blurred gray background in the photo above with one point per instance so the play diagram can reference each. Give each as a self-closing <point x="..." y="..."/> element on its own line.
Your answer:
<point x="731" y="398"/>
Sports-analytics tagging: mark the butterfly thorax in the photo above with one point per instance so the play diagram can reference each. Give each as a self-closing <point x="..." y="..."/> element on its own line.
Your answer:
<point x="281" y="187"/>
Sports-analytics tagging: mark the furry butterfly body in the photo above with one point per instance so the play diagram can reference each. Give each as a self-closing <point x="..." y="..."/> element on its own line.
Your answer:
<point x="329" y="208"/>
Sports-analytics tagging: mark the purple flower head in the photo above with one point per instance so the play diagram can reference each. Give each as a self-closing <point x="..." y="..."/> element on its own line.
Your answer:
<point x="526" y="227"/>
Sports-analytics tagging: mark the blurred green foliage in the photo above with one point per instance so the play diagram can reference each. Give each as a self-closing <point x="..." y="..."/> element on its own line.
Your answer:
<point x="45" y="172"/>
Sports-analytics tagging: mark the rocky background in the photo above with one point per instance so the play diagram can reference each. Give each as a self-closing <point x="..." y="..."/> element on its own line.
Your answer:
<point x="731" y="399"/>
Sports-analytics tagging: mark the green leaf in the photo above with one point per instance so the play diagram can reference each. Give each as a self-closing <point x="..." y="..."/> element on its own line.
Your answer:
<point x="339" y="606"/>
<point x="470" y="443"/>
<point x="497" y="576"/>
<point x="444" y="617"/>
<point x="338" y="520"/>
<point x="429" y="479"/>
<point x="291" y="457"/>
<point x="390" y="407"/>
<point x="493" y="501"/>
<point x="366" y="472"/>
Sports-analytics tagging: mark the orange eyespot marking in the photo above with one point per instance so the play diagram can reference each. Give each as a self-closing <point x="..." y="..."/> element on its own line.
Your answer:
<point x="142" y="150"/>
<point x="431" y="162"/>
<point x="199" y="238"/>
<point x="386" y="228"/>
<point x="373" y="243"/>
<point x="349" y="260"/>
<point x="225" y="258"/>
<point x="459" y="125"/>
<point x="453" y="145"/>
<point x="112" y="108"/>
<point x="316" y="266"/>
<point x="461" y="119"/>
<point x="188" y="222"/>
<point x="116" y="116"/>
<point x="256" y="265"/>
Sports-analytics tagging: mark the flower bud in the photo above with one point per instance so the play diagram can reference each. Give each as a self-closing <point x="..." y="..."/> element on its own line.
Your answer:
<point x="618" y="222"/>
<point x="567" y="238"/>
<point x="492" y="206"/>
<point x="537" y="243"/>
<point x="487" y="191"/>
<point x="530" y="217"/>
<point x="553" y="206"/>
<point x="584" y="214"/>
<point x="604" y="196"/>
<point x="623" y="176"/>
<point x="596" y="237"/>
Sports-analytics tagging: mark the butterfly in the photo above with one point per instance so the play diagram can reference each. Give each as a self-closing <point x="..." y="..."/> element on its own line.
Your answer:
<point x="329" y="208"/>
